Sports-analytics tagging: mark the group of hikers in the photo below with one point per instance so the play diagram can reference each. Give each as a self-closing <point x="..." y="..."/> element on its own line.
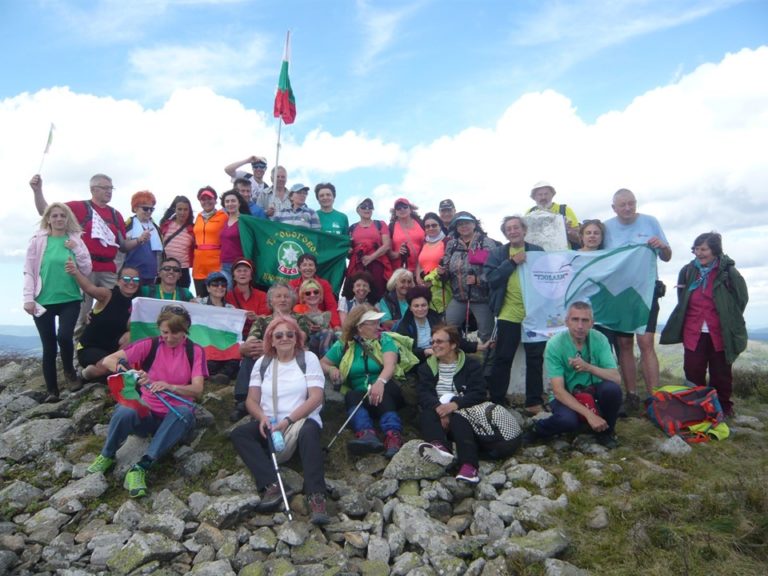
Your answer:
<point x="414" y="288"/>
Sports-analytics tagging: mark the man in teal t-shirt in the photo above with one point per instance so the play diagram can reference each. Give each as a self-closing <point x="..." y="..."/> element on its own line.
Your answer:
<point x="331" y="221"/>
<point x="584" y="379"/>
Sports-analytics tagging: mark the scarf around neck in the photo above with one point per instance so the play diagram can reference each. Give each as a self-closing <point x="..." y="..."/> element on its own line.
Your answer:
<point x="703" y="274"/>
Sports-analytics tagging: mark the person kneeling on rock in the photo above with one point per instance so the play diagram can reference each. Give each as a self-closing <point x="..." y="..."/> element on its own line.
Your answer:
<point x="584" y="378"/>
<point x="365" y="361"/>
<point x="167" y="380"/>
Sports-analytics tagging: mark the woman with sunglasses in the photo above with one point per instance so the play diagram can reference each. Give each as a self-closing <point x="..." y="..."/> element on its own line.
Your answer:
<point x="285" y="394"/>
<point x="231" y="249"/>
<point x="363" y="361"/>
<point x="207" y="228"/>
<point x="107" y="327"/>
<point x="168" y="288"/>
<point x="145" y="257"/>
<point x="307" y="264"/>
<point x="50" y="292"/>
<point x="369" y="250"/>
<point x="179" y="236"/>
<point x="173" y="378"/>
<point x="407" y="234"/>
<point x="322" y="326"/>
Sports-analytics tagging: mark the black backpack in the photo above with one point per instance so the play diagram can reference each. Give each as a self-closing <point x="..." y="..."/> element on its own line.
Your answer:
<point x="147" y="363"/>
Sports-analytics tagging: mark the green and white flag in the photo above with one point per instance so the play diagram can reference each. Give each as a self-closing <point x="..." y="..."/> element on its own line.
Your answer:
<point x="275" y="248"/>
<point x="218" y="330"/>
<point x="617" y="283"/>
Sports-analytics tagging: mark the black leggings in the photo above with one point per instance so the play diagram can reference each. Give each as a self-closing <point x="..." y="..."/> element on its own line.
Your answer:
<point x="49" y="337"/>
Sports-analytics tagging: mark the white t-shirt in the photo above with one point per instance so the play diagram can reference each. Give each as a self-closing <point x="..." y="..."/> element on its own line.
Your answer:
<point x="292" y="385"/>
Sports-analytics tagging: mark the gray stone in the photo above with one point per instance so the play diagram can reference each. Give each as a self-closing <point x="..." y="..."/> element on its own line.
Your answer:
<point x="534" y="512"/>
<point x="486" y="522"/>
<point x="408" y="465"/>
<point x="194" y="465"/>
<point x="459" y="523"/>
<point x="129" y="453"/>
<point x="229" y="546"/>
<point x="107" y="542"/>
<point x="486" y="491"/>
<point x="197" y="502"/>
<point x="88" y="488"/>
<point x="162" y="523"/>
<point x="141" y="549"/>
<point x="514" y="496"/>
<point x="542" y="478"/>
<point x="355" y="505"/>
<point x="447" y="565"/>
<point x="382" y="489"/>
<point x="166" y="502"/>
<point x="11" y="371"/>
<point x="502" y="510"/>
<point x="44" y="526"/>
<point x="129" y="514"/>
<point x="533" y="547"/>
<point x="496" y="478"/>
<point x="748" y="422"/>
<point x="396" y="540"/>
<point x="7" y="561"/>
<point x="31" y="439"/>
<point x="420" y="529"/>
<point x="86" y="415"/>
<point x="405" y="563"/>
<point x="62" y="551"/>
<point x="205" y="554"/>
<point x="570" y="483"/>
<point x="312" y="552"/>
<point x="214" y="568"/>
<point x="555" y="567"/>
<point x="18" y="495"/>
<point x="209" y="535"/>
<point x="357" y="540"/>
<point x="13" y="542"/>
<point x="675" y="446"/>
<point x="226" y="510"/>
<point x="598" y="518"/>
<point x="293" y="533"/>
<point x="378" y="549"/>
<point x="263" y="540"/>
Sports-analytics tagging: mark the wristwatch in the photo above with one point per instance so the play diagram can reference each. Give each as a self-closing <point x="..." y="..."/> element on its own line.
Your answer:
<point x="290" y="420"/>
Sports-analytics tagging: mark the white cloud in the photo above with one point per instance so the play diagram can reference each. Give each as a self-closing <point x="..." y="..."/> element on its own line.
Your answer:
<point x="379" y="30"/>
<point x="159" y="71"/>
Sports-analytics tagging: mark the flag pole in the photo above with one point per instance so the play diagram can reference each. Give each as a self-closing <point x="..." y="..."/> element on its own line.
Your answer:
<point x="47" y="147"/>
<point x="285" y="108"/>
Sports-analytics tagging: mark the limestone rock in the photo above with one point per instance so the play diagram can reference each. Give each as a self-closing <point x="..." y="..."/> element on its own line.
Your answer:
<point x="141" y="549"/>
<point x="88" y="488"/>
<point x="598" y="518"/>
<point x="675" y="446"/>
<point x="225" y="510"/>
<point x="18" y="495"/>
<point x="533" y="547"/>
<point x="555" y="567"/>
<point x="214" y="568"/>
<point x="408" y="465"/>
<point x="31" y="439"/>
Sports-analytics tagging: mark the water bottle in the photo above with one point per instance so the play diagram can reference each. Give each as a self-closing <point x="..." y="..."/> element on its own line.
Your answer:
<point x="277" y="438"/>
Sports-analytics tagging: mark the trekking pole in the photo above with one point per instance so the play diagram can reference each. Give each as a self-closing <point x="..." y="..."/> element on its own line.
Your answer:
<point x="343" y="426"/>
<point x="279" y="478"/>
<point x="166" y="404"/>
<point x="175" y="396"/>
<point x="491" y="340"/>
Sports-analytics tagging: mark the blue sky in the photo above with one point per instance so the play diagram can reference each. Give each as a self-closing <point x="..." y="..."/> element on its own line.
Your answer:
<point x="428" y="99"/>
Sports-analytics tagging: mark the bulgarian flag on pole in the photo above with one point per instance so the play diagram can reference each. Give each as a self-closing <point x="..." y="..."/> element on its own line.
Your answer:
<point x="218" y="330"/>
<point x="285" y="103"/>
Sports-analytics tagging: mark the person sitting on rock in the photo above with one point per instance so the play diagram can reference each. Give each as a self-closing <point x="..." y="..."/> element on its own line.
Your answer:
<point x="170" y="376"/>
<point x="448" y="381"/>
<point x="364" y="360"/>
<point x="584" y="379"/>
<point x="291" y="408"/>
<point x="222" y="364"/>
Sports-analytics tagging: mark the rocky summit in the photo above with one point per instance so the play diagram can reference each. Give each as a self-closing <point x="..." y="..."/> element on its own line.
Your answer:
<point x="402" y="516"/>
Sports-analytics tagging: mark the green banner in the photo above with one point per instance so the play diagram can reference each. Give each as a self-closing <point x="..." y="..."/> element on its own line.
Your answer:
<point x="275" y="248"/>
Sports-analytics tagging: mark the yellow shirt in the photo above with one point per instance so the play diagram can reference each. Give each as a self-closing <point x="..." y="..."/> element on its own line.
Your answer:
<point x="513" y="308"/>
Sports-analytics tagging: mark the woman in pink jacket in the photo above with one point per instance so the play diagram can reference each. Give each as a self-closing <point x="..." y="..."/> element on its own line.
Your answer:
<point x="49" y="291"/>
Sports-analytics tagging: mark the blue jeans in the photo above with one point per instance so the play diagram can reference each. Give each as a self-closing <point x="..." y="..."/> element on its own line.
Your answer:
<point x="166" y="431"/>
<point x="564" y="420"/>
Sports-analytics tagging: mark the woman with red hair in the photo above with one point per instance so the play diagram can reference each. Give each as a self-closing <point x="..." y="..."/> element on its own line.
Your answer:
<point x="145" y="257"/>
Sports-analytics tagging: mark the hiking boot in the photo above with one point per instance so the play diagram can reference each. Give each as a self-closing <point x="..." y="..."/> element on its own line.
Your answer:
<point x="607" y="440"/>
<point x="238" y="412"/>
<point x="632" y="403"/>
<point x="435" y="452"/>
<point x="272" y="498"/>
<point x="393" y="441"/>
<point x="78" y="382"/>
<point x="319" y="515"/>
<point x="365" y="442"/>
<point x="52" y="398"/>
<point x="70" y="376"/>
<point x="468" y="473"/>
<point x="101" y="464"/>
<point x="136" y="482"/>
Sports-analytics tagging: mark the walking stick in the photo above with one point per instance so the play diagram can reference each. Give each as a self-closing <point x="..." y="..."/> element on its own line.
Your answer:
<point x="279" y="478"/>
<point x="166" y="404"/>
<point x="343" y="426"/>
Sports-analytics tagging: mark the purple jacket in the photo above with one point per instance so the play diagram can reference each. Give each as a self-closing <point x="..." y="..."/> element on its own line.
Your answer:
<point x="32" y="282"/>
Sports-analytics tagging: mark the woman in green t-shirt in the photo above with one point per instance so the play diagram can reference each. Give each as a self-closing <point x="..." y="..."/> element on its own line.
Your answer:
<point x="50" y="292"/>
<point x="364" y="361"/>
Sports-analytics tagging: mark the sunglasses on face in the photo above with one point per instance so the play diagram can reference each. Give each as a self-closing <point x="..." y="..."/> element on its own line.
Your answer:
<point x="401" y="206"/>
<point x="259" y="166"/>
<point x="311" y="292"/>
<point x="290" y="335"/>
<point x="218" y="284"/>
<point x="129" y="279"/>
<point x="149" y="209"/>
<point x="431" y="225"/>
<point x="366" y="207"/>
<point x="174" y="269"/>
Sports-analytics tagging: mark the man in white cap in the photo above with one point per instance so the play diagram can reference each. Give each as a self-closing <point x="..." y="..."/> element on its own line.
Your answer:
<point x="298" y="214"/>
<point x="447" y="211"/>
<point x="542" y="193"/>
<point x="256" y="180"/>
